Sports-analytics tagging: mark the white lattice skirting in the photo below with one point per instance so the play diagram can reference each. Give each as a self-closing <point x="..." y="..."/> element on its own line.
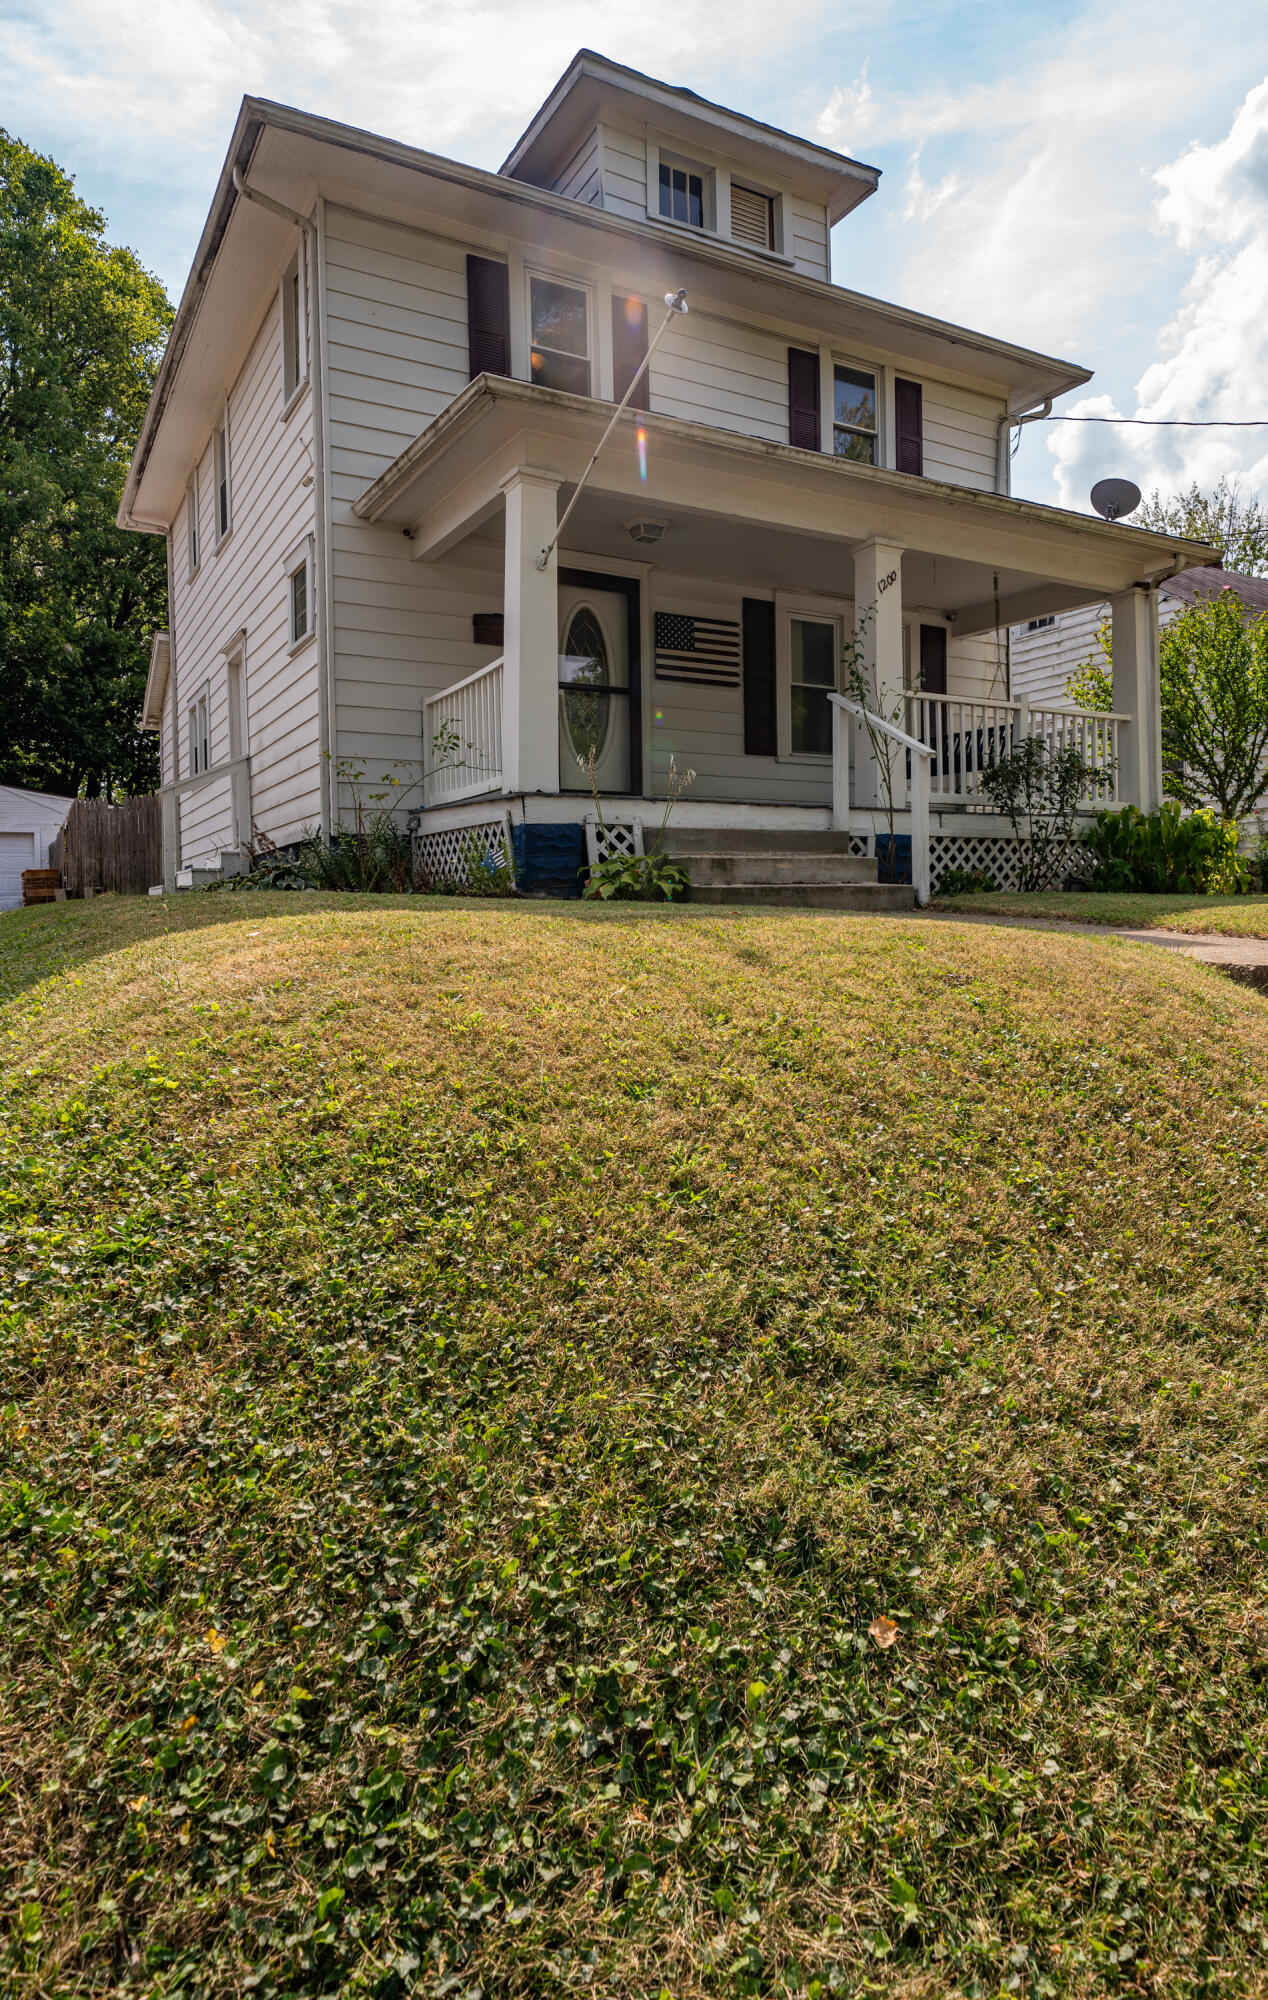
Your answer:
<point x="457" y="857"/>
<point x="993" y="856"/>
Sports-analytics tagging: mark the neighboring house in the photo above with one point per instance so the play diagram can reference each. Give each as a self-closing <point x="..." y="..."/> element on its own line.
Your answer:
<point x="1045" y="652"/>
<point x="387" y="376"/>
<point x="29" y="824"/>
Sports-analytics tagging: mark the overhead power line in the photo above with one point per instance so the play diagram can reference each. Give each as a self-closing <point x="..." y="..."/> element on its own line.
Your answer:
<point x="1172" y="423"/>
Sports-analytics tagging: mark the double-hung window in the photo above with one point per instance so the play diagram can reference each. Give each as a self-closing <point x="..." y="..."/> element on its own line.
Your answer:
<point x="301" y="615"/>
<point x="223" y="498"/>
<point x="191" y="522"/>
<point x="199" y="736"/>
<point x="682" y="193"/>
<point x="559" y="326"/>
<point x="854" y="432"/>
<point x="812" y="678"/>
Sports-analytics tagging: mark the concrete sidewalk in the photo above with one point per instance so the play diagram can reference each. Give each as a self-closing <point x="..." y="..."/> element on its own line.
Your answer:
<point x="1241" y="958"/>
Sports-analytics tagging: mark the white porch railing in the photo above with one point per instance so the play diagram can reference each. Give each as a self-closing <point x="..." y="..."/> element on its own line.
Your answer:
<point x="967" y="737"/>
<point x="462" y="739"/>
<point x="918" y="758"/>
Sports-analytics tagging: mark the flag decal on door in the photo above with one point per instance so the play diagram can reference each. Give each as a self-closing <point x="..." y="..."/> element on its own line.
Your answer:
<point x="702" y="650"/>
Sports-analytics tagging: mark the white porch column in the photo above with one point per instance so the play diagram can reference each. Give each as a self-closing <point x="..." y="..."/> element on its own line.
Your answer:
<point x="1137" y="695"/>
<point x="878" y="611"/>
<point x="530" y="640"/>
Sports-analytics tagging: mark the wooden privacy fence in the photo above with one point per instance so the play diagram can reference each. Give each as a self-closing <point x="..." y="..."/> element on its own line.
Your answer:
<point x="110" y="847"/>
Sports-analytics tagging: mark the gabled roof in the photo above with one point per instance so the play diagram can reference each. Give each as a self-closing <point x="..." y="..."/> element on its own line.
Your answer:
<point x="592" y="84"/>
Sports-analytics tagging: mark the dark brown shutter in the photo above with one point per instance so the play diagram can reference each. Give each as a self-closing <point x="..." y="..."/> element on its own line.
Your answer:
<point x="487" y="628"/>
<point x="629" y="345"/>
<point x="909" y="424"/>
<point x="759" y="677"/>
<point x="803" y="399"/>
<point x="488" y="317"/>
<point x="933" y="659"/>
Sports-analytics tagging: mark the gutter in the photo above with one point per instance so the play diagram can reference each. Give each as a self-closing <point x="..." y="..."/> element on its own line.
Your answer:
<point x="1003" y="430"/>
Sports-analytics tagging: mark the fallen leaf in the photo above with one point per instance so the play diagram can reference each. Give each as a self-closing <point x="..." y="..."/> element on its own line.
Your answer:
<point x="214" y="1640"/>
<point x="883" y="1631"/>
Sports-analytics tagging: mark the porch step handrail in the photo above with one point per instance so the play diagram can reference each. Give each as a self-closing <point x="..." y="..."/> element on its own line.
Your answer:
<point x="921" y="760"/>
<point x="462" y="738"/>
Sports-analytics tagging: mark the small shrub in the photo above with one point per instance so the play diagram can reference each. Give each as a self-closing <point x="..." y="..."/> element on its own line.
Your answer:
<point x="1166" y="852"/>
<point x="636" y="878"/>
<point x="1037" y="790"/>
<point x="965" y="882"/>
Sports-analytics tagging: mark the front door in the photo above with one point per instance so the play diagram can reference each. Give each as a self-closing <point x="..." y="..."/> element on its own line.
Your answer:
<point x="594" y="688"/>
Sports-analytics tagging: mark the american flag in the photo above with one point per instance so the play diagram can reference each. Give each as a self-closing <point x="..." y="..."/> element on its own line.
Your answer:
<point x="705" y="650"/>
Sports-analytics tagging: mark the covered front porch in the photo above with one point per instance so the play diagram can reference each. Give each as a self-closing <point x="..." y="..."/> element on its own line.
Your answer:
<point x="698" y="616"/>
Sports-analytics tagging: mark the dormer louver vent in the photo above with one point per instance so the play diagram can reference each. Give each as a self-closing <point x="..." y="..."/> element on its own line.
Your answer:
<point x="751" y="218"/>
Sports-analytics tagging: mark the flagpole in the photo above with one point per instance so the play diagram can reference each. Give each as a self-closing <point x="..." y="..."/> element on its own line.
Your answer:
<point x="676" y="303"/>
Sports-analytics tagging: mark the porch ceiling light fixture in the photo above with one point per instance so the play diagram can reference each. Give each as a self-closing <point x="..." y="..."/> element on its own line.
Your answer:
<point x="645" y="531"/>
<point x="675" y="302"/>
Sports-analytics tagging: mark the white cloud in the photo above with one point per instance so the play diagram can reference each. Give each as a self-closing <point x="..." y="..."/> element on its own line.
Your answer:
<point x="920" y="200"/>
<point x="1213" y="351"/>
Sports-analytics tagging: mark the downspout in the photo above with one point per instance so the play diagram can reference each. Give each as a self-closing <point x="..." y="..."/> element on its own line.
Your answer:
<point x="1002" y="430"/>
<point x="316" y="277"/>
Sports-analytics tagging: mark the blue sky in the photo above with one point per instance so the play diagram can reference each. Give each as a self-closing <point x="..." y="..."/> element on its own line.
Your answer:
<point x="1089" y="179"/>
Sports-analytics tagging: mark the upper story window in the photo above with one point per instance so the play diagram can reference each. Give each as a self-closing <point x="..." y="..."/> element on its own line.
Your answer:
<point x="752" y="217"/>
<point x="682" y="192"/>
<point x="1039" y="624"/>
<point x="294" y="328"/>
<point x="220" y="462"/>
<point x="559" y="328"/>
<point x="191" y="523"/>
<point x="854" y="414"/>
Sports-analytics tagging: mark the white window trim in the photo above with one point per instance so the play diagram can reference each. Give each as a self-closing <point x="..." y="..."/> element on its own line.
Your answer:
<point x="589" y="286"/>
<point x="222" y="429"/>
<point x="301" y="556"/>
<point x="193" y="528"/>
<point x="298" y="265"/>
<point x="829" y="360"/>
<point x="823" y="611"/>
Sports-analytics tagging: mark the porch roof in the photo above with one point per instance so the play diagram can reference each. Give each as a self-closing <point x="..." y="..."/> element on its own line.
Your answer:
<point x="742" y="508"/>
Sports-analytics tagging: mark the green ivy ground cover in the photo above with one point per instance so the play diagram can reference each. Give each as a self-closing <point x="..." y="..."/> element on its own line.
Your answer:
<point x="627" y="1452"/>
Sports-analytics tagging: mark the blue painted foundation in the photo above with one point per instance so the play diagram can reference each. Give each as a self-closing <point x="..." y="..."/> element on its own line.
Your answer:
<point x="898" y="867"/>
<point x="549" y="858"/>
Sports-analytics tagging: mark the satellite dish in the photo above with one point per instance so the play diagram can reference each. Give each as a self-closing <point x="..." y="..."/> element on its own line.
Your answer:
<point x="1115" y="497"/>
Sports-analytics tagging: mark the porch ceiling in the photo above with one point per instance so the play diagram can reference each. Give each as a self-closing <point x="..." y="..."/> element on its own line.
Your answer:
<point x="740" y="509"/>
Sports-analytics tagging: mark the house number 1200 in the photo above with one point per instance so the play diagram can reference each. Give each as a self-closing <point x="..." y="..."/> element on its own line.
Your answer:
<point x="886" y="582"/>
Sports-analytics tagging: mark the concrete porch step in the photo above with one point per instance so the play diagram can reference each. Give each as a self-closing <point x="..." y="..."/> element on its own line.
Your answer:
<point x="825" y="870"/>
<point x="873" y="896"/>
<point x="688" y="840"/>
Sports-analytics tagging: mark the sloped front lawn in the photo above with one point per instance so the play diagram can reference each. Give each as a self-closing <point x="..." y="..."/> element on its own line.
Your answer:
<point x="549" y="1450"/>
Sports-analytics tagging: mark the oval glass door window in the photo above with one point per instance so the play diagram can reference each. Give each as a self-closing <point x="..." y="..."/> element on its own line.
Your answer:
<point x="584" y="673"/>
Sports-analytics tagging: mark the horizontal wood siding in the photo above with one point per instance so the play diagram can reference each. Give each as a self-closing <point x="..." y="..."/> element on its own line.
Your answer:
<point x="960" y="435"/>
<point x="242" y="587"/>
<point x="977" y="667"/>
<point x="711" y="371"/>
<point x="809" y="248"/>
<point x="702" y="728"/>
<point x="625" y="173"/>
<point x="580" y="178"/>
<point x="397" y="314"/>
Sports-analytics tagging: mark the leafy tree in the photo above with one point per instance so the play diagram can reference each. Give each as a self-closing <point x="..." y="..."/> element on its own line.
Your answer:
<point x="1237" y="525"/>
<point x="82" y="327"/>
<point x="1091" y="685"/>
<point x="1214" y="683"/>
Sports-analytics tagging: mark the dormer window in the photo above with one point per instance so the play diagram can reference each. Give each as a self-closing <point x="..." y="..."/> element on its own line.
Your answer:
<point x="682" y="192"/>
<point x="752" y="217"/>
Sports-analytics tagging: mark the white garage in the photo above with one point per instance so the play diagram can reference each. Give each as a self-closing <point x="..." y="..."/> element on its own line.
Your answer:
<point x="29" y="823"/>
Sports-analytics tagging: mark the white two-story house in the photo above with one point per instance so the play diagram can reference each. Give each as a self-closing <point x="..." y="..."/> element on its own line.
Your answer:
<point x="383" y="391"/>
